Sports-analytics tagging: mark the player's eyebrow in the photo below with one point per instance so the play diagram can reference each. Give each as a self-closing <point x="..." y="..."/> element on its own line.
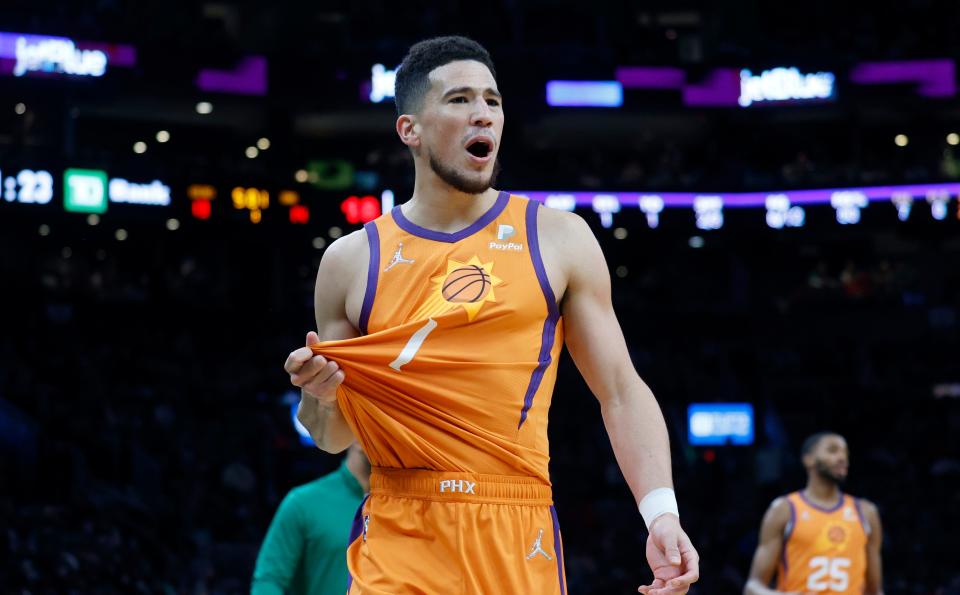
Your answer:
<point x="463" y="90"/>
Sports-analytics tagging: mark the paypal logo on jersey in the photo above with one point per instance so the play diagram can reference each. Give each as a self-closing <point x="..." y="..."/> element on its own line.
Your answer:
<point x="504" y="233"/>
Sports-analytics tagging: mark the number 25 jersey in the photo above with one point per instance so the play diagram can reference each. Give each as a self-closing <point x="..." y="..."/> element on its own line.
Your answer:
<point x="824" y="550"/>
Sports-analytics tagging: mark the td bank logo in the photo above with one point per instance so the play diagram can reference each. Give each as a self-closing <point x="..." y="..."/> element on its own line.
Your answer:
<point x="85" y="191"/>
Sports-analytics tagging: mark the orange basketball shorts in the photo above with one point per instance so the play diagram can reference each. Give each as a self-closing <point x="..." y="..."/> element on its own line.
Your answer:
<point x="431" y="533"/>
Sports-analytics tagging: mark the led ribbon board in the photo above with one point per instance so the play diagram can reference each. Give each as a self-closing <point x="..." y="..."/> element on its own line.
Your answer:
<point x="784" y="208"/>
<point x="24" y="54"/>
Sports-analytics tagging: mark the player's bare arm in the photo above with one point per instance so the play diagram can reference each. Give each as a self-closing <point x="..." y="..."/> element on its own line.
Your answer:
<point x="577" y="271"/>
<point x="338" y="296"/>
<point x="768" y="551"/>
<point x="874" y="543"/>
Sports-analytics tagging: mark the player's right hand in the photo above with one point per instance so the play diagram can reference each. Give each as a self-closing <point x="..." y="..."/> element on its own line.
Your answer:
<point x="315" y="374"/>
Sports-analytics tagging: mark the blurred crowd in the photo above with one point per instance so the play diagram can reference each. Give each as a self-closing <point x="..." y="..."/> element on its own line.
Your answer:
<point x="148" y="438"/>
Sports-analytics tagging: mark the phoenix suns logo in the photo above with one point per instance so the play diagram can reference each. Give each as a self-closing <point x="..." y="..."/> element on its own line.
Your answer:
<point x="468" y="285"/>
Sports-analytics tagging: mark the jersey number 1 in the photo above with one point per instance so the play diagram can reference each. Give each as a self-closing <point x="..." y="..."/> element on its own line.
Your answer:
<point x="410" y="350"/>
<point x="829" y="574"/>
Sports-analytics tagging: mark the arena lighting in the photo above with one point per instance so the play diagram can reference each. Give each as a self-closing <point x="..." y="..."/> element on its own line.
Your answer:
<point x="382" y="83"/>
<point x="584" y="93"/>
<point x="299" y="214"/>
<point x="299" y="428"/>
<point x="709" y="210"/>
<point x="28" y="186"/>
<point x="783" y="85"/>
<point x="249" y="77"/>
<point x="360" y="209"/>
<point x="201" y="192"/>
<point x="933" y="78"/>
<point x="23" y="54"/>
<point x="781" y="214"/>
<point x="254" y="200"/>
<point x="288" y="198"/>
<point x="386" y="201"/>
<point x="651" y="205"/>
<point x="605" y="205"/>
<point x="847" y="201"/>
<point x="904" y="203"/>
<point x="717" y="424"/>
<point x="200" y="209"/>
<point x="938" y="204"/>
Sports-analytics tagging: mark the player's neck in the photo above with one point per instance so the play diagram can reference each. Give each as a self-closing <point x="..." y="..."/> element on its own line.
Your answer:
<point x="822" y="492"/>
<point x="438" y="207"/>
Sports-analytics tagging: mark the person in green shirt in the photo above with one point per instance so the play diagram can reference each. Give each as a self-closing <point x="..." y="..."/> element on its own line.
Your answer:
<point x="305" y="549"/>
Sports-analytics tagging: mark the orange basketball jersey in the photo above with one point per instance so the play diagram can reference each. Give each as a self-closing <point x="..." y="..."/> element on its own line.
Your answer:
<point x="825" y="550"/>
<point x="456" y="367"/>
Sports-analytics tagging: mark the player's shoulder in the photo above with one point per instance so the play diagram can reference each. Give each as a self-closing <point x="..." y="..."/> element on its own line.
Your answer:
<point x="562" y="228"/>
<point x="344" y="251"/>
<point x="867" y="507"/>
<point x="780" y="509"/>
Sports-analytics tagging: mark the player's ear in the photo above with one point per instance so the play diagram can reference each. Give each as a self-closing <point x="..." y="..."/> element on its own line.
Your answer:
<point x="408" y="130"/>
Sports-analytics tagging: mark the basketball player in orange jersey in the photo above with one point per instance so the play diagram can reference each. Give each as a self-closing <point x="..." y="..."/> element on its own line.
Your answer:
<point x="820" y="540"/>
<point x="441" y="325"/>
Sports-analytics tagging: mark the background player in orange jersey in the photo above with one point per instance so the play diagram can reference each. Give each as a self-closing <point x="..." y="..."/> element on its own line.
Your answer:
<point x="820" y="540"/>
<point x="452" y="106"/>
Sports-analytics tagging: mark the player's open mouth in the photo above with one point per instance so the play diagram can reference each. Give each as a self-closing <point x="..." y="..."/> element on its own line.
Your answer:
<point x="480" y="148"/>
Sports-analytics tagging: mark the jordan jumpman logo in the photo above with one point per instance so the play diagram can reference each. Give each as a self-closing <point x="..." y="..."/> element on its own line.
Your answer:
<point x="537" y="548"/>
<point x="398" y="258"/>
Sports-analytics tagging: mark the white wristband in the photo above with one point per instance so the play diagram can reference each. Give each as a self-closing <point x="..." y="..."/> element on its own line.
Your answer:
<point x="658" y="502"/>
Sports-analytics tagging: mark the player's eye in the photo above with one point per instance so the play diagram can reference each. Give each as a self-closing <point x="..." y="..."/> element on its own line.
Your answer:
<point x="493" y="102"/>
<point x="458" y="99"/>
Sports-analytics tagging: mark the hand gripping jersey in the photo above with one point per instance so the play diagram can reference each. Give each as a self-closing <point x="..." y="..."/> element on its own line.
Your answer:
<point x="825" y="550"/>
<point x="448" y="392"/>
<point x="456" y="367"/>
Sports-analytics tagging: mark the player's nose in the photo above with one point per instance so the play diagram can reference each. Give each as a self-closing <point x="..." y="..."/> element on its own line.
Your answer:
<point x="482" y="114"/>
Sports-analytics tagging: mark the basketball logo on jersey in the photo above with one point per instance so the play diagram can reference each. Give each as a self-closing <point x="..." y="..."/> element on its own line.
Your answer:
<point x="468" y="285"/>
<point x="832" y="538"/>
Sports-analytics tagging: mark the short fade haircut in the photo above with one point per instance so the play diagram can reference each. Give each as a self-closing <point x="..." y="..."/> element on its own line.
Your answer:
<point x="810" y="444"/>
<point x="413" y="80"/>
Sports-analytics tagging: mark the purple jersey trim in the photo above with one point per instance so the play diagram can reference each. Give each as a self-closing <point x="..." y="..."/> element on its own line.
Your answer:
<point x="373" y="273"/>
<point x="833" y="508"/>
<point x="439" y="236"/>
<point x="553" y="315"/>
<point x="864" y="523"/>
<point x="355" y="531"/>
<point x="787" y="532"/>
<point x="558" y="550"/>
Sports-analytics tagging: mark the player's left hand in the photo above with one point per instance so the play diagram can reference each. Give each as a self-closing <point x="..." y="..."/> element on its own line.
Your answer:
<point x="673" y="559"/>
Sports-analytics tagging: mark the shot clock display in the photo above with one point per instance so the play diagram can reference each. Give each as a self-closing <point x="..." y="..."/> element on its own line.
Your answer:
<point x="27" y="186"/>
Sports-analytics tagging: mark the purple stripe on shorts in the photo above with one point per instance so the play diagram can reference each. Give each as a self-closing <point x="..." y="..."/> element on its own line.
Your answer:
<point x="558" y="550"/>
<point x="553" y="312"/>
<point x="373" y="273"/>
<point x="355" y="532"/>
<point x="439" y="236"/>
